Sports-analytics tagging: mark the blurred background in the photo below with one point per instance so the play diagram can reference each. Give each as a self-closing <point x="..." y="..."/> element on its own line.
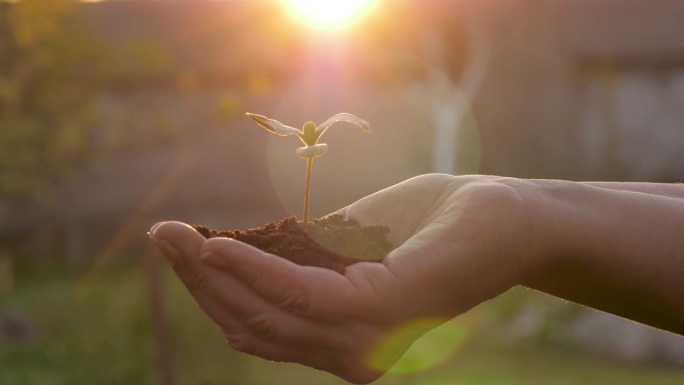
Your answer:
<point x="117" y="114"/>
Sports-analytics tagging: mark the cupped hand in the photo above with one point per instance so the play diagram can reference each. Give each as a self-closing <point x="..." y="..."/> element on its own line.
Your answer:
<point x="458" y="241"/>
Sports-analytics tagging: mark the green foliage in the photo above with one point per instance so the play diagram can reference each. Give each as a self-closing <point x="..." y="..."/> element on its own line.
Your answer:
<point x="90" y="331"/>
<point x="49" y="69"/>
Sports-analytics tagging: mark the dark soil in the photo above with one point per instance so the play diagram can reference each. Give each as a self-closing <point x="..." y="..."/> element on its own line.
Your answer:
<point x="330" y="242"/>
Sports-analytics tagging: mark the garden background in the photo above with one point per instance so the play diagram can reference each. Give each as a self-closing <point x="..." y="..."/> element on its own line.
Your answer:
<point x="117" y="114"/>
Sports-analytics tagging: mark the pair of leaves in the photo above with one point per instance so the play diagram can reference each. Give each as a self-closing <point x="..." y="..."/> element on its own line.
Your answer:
<point x="310" y="133"/>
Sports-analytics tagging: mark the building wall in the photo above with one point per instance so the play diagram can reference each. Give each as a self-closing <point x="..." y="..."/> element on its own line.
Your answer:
<point x="585" y="90"/>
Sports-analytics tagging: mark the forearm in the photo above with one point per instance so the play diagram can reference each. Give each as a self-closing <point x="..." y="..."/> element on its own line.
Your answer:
<point x="673" y="190"/>
<point x="615" y="247"/>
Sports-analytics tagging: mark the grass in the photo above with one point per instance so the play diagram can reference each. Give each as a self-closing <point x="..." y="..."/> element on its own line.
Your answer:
<point x="95" y="329"/>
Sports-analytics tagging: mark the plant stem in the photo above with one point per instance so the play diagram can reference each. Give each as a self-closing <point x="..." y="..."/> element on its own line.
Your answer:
<point x="307" y="188"/>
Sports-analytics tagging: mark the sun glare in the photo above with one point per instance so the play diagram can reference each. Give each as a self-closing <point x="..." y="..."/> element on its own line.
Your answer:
<point x="330" y="15"/>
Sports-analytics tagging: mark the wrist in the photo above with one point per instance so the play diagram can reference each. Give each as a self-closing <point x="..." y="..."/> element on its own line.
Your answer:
<point x="516" y="226"/>
<point x="540" y="234"/>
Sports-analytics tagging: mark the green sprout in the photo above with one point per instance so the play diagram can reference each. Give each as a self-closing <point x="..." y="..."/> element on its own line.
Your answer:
<point x="309" y="134"/>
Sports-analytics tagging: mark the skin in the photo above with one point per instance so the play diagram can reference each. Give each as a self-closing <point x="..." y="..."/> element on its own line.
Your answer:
<point x="617" y="247"/>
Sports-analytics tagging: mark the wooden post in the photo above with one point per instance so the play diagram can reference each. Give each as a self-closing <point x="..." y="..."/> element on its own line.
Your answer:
<point x="159" y="317"/>
<point x="6" y="275"/>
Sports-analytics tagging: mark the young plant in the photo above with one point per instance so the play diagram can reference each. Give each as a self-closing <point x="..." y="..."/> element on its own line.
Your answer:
<point x="309" y="134"/>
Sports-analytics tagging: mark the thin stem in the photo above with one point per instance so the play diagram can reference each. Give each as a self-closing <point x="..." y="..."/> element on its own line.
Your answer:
<point x="307" y="188"/>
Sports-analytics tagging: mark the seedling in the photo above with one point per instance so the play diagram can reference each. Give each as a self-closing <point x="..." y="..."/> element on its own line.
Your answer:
<point x="309" y="134"/>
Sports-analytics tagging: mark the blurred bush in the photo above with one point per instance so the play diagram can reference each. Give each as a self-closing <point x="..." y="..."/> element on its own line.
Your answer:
<point x="49" y="70"/>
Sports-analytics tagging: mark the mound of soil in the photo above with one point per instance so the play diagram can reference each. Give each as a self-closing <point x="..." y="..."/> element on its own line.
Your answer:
<point x="330" y="242"/>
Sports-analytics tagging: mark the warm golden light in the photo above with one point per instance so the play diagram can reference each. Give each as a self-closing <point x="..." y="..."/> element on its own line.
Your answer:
<point x="331" y="15"/>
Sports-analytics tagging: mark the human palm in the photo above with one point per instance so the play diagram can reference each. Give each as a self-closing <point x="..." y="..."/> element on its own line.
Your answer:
<point x="458" y="241"/>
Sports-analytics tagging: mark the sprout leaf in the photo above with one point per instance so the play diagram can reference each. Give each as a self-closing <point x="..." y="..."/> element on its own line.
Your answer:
<point x="274" y="126"/>
<point x="309" y="134"/>
<point x="343" y="117"/>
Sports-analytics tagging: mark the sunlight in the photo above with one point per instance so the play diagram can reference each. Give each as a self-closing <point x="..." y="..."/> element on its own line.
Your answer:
<point x="330" y="15"/>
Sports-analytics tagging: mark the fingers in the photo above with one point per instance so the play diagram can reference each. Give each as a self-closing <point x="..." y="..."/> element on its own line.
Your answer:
<point x="180" y="244"/>
<point x="265" y="330"/>
<point x="178" y="239"/>
<point x="373" y="291"/>
<point x="352" y="368"/>
<point x="253" y="318"/>
<point x="272" y="308"/>
<point x="312" y="292"/>
<point x="254" y="306"/>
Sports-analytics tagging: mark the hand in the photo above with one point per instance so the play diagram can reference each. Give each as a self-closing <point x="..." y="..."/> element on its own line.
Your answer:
<point x="459" y="241"/>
